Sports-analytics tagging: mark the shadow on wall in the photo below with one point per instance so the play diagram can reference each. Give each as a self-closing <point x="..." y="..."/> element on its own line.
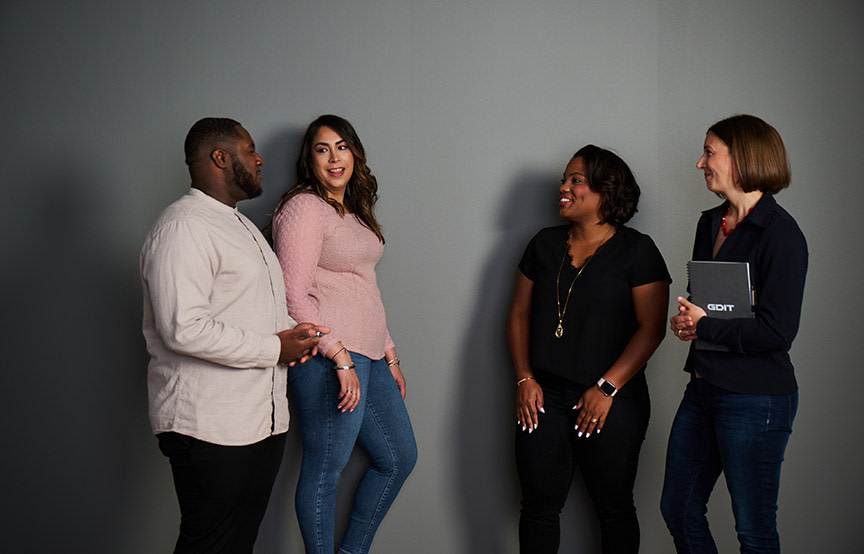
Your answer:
<point x="74" y="373"/>
<point x="280" y="155"/>
<point x="485" y="455"/>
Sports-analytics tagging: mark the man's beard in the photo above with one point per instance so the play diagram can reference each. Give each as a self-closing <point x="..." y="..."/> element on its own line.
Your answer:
<point x="245" y="180"/>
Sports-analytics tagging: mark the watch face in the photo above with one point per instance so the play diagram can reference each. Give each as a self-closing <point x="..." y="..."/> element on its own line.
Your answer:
<point x="608" y="388"/>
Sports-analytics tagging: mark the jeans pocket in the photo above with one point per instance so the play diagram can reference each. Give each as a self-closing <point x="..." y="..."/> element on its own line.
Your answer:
<point x="781" y="411"/>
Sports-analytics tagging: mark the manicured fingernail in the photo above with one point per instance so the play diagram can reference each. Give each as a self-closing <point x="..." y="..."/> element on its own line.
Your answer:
<point x="523" y="427"/>
<point x="598" y="431"/>
<point x="535" y="425"/>
<point x="542" y="411"/>
<point x="529" y="430"/>
<point x="580" y="433"/>
<point x="587" y="435"/>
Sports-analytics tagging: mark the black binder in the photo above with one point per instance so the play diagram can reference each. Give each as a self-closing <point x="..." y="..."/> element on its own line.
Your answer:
<point x="723" y="290"/>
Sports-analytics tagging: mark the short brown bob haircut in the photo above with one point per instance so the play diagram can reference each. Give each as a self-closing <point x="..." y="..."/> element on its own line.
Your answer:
<point x="758" y="152"/>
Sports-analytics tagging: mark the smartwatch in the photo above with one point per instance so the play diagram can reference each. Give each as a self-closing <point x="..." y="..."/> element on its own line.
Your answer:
<point x="606" y="387"/>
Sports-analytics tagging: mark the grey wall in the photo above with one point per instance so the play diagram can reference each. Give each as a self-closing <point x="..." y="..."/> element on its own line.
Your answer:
<point x="469" y="112"/>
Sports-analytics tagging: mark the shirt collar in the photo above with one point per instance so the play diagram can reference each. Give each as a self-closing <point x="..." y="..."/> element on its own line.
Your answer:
<point x="760" y="215"/>
<point x="211" y="202"/>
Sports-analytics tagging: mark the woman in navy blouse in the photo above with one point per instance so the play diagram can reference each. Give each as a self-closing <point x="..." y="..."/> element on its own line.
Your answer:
<point x="737" y="411"/>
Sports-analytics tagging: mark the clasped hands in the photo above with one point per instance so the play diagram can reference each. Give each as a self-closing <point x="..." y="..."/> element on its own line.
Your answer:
<point x="299" y="344"/>
<point x="684" y="323"/>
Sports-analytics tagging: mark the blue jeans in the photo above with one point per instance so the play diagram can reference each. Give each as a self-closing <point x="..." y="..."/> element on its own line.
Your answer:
<point x="743" y="436"/>
<point x="379" y="424"/>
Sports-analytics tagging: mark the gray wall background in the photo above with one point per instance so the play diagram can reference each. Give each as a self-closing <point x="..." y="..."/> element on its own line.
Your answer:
<point x="469" y="112"/>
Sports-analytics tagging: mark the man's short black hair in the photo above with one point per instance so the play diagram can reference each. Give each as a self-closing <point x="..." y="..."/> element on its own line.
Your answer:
<point x="210" y="131"/>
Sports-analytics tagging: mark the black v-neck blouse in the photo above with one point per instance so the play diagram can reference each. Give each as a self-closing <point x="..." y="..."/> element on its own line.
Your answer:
<point x="600" y="318"/>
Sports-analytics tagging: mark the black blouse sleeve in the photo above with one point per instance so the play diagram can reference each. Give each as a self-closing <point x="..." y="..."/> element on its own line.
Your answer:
<point x="649" y="265"/>
<point x="528" y="263"/>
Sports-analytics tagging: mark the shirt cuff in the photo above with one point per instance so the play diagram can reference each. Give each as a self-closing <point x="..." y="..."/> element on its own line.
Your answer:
<point x="271" y="347"/>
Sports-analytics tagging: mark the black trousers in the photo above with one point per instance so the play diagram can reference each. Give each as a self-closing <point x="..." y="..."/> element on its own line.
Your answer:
<point x="547" y="458"/>
<point x="223" y="491"/>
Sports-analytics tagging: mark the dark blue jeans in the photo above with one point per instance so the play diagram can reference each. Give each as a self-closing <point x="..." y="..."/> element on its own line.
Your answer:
<point x="743" y="436"/>
<point x="379" y="424"/>
<point x="547" y="458"/>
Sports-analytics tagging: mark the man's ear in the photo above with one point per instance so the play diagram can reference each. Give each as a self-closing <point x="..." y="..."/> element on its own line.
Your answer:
<point x="221" y="158"/>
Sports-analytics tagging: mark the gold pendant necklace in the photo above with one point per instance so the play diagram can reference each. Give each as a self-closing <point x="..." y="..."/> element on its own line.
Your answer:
<point x="559" y="331"/>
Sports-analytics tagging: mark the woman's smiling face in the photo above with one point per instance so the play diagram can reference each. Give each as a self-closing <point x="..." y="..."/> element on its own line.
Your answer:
<point x="718" y="166"/>
<point x="332" y="162"/>
<point x="576" y="200"/>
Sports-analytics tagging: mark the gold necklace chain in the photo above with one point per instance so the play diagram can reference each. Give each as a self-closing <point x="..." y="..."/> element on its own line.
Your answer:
<point x="559" y="331"/>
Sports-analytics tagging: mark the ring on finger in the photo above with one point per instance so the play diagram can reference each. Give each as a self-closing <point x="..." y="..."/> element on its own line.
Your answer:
<point x="594" y="420"/>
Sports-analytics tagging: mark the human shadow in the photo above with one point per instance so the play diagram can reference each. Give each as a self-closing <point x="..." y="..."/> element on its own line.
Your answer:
<point x="74" y="370"/>
<point x="488" y="484"/>
<point x="279" y="531"/>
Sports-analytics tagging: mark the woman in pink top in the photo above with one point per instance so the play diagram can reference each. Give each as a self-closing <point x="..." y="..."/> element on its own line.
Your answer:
<point x="328" y="242"/>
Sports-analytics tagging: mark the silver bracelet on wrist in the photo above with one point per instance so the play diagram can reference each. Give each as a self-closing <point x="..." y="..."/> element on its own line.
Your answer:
<point x="343" y="367"/>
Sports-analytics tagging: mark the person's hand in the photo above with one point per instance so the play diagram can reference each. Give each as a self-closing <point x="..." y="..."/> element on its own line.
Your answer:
<point x="349" y="389"/>
<point x="593" y="408"/>
<point x="349" y="383"/>
<point x="300" y="343"/>
<point x="684" y="324"/>
<point x="399" y="378"/>
<point x="529" y="401"/>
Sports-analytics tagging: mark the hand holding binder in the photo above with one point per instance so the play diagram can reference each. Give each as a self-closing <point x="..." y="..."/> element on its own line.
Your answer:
<point x="723" y="290"/>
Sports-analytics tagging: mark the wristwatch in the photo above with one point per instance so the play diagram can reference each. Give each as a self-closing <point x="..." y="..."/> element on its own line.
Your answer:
<point x="606" y="387"/>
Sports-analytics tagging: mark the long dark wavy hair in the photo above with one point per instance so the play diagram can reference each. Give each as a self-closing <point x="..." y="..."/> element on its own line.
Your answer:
<point x="361" y="194"/>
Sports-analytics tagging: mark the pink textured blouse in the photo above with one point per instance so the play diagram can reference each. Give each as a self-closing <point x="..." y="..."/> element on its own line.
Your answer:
<point x="328" y="262"/>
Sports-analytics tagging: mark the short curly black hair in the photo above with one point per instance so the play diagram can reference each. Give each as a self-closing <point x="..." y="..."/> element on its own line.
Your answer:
<point x="210" y="132"/>
<point x="610" y="177"/>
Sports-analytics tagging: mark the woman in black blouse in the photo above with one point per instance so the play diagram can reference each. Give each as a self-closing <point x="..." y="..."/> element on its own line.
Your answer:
<point x="737" y="411"/>
<point x="588" y="311"/>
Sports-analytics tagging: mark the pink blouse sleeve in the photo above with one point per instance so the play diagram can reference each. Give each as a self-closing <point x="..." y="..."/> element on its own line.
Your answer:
<point x="298" y="236"/>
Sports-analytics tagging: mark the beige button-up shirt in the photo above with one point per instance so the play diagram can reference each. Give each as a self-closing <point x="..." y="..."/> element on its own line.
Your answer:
<point x="214" y="299"/>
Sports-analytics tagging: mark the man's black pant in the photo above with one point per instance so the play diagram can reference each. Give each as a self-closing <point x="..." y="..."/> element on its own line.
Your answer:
<point x="222" y="490"/>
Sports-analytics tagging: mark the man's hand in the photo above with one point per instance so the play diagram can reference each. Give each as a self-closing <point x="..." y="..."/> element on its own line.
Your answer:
<point x="300" y="343"/>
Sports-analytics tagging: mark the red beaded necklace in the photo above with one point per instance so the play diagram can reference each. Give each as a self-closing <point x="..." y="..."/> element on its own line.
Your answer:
<point x="727" y="232"/>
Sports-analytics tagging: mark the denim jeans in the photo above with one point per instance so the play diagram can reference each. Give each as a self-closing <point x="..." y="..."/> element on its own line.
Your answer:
<point x="547" y="458"/>
<point x="379" y="424"/>
<point x="743" y="436"/>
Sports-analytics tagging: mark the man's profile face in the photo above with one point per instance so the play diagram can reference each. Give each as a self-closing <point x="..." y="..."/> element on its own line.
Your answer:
<point x="246" y="165"/>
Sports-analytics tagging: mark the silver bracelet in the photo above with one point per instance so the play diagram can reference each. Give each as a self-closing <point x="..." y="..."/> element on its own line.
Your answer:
<point x="394" y="361"/>
<point x="343" y="367"/>
<point x="520" y="381"/>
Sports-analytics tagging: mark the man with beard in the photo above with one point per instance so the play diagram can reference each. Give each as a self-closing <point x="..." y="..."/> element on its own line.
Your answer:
<point x="219" y="338"/>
